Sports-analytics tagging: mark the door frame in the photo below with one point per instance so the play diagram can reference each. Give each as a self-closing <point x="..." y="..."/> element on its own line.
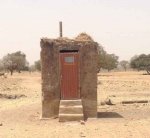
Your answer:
<point x="60" y="74"/>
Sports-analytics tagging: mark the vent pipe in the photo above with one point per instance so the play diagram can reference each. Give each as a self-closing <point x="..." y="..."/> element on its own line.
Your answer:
<point x="60" y="29"/>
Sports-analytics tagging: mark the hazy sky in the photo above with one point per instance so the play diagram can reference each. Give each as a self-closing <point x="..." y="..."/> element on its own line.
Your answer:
<point x="121" y="26"/>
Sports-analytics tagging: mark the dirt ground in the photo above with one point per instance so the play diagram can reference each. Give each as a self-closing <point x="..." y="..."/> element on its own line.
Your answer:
<point x="20" y="116"/>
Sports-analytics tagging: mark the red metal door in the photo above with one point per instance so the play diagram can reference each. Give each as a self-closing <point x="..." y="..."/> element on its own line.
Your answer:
<point x="69" y="75"/>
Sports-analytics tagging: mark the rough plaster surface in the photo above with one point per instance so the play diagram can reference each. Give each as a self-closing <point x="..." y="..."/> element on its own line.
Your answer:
<point x="50" y="49"/>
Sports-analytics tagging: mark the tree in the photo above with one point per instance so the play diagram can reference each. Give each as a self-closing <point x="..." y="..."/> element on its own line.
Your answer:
<point x="124" y="64"/>
<point x="101" y="58"/>
<point x="37" y="65"/>
<point x="141" y="62"/>
<point x="106" y="61"/>
<point x="15" y="61"/>
<point x="1" y="66"/>
<point x="32" y="68"/>
<point x="111" y="62"/>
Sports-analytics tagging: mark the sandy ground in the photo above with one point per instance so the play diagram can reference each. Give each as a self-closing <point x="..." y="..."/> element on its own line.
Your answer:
<point x="19" y="118"/>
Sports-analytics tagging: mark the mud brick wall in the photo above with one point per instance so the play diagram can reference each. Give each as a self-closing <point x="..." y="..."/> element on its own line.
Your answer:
<point x="88" y="79"/>
<point x="50" y="49"/>
<point x="50" y="79"/>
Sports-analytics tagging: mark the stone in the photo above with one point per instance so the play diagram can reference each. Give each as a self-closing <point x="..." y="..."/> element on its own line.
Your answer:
<point x="82" y="122"/>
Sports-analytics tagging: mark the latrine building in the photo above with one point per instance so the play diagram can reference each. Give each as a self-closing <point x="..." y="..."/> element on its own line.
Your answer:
<point x="69" y="78"/>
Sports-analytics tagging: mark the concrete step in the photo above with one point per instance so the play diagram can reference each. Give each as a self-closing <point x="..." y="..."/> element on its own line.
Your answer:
<point x="70" y="102"/>
<point x="70" y="117"/>
<point x="70" y="110"/>
<point x="77" y="109"/>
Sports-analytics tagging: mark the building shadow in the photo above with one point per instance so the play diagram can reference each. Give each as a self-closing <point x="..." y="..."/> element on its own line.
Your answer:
<point x="108" y="115"/>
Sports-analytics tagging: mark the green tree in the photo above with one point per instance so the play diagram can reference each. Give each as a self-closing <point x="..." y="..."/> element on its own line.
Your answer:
<point x="106" y="61"/>
<point x="37" y="65"/>
<point x="15" y="61"/>
<point x="111" y="62"/>
<point x="101" y="58"/>
<point x="124" y="64"/>
<point x="141" y="62"/>
<point x="1" y="66"/>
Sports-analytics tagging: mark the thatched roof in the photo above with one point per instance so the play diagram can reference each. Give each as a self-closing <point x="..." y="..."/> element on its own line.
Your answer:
<point x="81" y="38"/>
<point x="84" y="37"/>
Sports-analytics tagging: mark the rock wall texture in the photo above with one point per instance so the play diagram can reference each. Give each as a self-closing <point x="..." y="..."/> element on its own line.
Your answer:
<point x="88" y="52"/>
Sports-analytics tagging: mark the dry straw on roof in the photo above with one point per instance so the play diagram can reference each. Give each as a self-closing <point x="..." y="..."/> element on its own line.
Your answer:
<point x="83" y="37"/>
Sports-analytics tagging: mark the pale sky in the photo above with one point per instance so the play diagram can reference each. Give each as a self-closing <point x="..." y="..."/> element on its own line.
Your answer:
<point x="121" y="26"/>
